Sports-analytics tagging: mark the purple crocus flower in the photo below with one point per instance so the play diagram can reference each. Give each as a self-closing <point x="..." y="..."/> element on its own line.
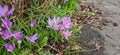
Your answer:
<point x="9" y="47"/>
<point x="4" y="11"/>
<point x="6" y="34"/>
<point x="65" y="1"/>
<point x="55" y="26"/>
<point x="17" y="35"/>
<point x="54" y="23"/>
<point x="64" y="26"/>
<point x="6" y="23"/>
<point x="66" y="23"/>
<point x="66" y="34"/>
<point x="50" y="22"/>
<point x="56" y="20"/>
<point x="32" y="23"/>
<point x="66" y="20"/>
<point x="32" y="38"/>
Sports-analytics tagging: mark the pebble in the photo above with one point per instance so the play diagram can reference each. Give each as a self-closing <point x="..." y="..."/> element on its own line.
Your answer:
<point x="115" y="24"/>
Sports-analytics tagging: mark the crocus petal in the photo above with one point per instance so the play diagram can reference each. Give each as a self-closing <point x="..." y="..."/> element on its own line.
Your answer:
<point x="32" y="23"/>
<point x="55" y="26"/>
<point x="49" y="22"/>
<point x="1" y="13"/>
<point x="6" y="8"/>
<point x="11" y="10"/>
<point x="27" y="38"/>
<point x="54" y="19"/>
<point x="66" y="20"/>
<point x="62" y="32"/>
<point x="57" y="21"/>
<point x="66" y="38"/>
<point x="32" y="38"/>
<point x="1" y="31"/>
<point x="33" y="41"/>
<point x="68" y="25"/>
<point x="1" y="7"/>
<point x="6" y="23"/>
<point x="49" y="19"/>
<point x="68" y="33"/>
<point x="62" y="26"/>
<point x="35" y="36"/>
<point x="65" y="1"/>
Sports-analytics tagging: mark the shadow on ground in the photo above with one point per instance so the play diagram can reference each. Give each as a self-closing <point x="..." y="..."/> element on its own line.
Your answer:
<point x="92" y="41"/>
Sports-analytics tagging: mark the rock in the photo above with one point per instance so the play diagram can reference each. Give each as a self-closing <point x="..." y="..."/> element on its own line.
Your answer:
<point x="115" y="24"/>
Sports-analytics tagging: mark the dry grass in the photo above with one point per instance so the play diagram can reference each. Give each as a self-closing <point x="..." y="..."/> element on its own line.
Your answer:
<point x="22" y="7"/>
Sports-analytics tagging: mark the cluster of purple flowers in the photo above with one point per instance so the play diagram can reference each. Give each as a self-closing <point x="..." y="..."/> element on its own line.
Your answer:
<point x="62" y="24"/>
<point x="6" y="32"/>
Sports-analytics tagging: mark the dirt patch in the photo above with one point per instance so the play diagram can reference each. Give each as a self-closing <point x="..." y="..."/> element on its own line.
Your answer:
<point x="86" y="14"/>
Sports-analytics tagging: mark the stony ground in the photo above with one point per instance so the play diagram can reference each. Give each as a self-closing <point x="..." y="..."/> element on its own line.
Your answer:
<point x="111" y="32"/>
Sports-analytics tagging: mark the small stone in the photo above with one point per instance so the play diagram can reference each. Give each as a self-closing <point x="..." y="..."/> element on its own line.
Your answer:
<point x="105" y="24"/>
<point x="100" y="27"/>
<point x="117" y="47"/>
<point x="115" y="24"/>
<point x="107" y="21"/>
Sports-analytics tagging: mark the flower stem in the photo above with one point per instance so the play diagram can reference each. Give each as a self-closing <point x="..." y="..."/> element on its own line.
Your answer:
<point x="13" y="53"/>
<point x="19" y="46"/>
<point x="6" y="26"/>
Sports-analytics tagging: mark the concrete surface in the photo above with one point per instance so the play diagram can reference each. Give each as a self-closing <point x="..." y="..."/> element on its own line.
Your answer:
<point x="111" y="11"/>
